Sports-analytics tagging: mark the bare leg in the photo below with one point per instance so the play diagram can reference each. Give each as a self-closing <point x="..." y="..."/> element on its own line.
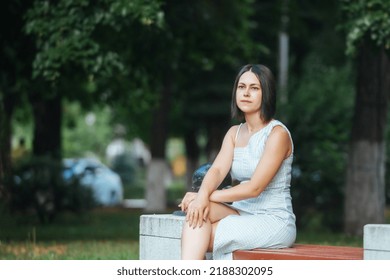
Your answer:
<point x="196" y="241"/>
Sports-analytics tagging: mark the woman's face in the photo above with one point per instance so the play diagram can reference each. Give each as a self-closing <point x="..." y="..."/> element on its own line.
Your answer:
<point x="248" y="93"/>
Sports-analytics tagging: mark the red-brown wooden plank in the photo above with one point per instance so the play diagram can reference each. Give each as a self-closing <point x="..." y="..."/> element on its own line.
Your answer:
<point x="302" y="252"/>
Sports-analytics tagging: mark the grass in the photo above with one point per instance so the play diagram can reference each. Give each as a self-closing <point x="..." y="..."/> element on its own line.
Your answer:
<point x="71" y="250"/>
<point x="327" y="238"/>
<point x="109" y="234"/>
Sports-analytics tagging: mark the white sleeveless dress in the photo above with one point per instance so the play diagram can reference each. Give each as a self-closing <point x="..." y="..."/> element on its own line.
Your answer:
<point x="266" y="221"/>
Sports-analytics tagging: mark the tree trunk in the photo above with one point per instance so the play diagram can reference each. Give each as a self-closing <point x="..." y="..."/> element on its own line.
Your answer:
<point x="158" y="172"/>
<point x="158" y="177"/>
<point x="215" y="135"/>
<point x="365" y="186"/>
<point x="47" y="126"/>
<point x="192" y="152"/>
<point x="283" y="53"/>
<point x="6" y="109"/>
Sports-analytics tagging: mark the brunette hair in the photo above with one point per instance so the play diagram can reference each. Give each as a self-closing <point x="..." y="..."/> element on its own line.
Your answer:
<point x="268" y="89"/>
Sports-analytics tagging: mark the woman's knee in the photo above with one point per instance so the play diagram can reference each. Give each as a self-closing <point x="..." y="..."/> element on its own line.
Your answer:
<point x="218" y="211"/>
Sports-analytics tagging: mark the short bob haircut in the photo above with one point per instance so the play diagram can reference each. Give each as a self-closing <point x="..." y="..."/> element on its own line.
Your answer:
<point x="267" y="84"/>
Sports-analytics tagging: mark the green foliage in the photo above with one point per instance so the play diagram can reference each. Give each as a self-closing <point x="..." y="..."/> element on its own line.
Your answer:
<point x="191" y="56"/>
<point x="64" y="33"/>
<point x="213" y="41"/>
<point x="85" y="133"/>
<point x="367" y="19"/>
<point x="85" y="49"/>
<point x="38" y="185"/>
<point x="324" y="98"/>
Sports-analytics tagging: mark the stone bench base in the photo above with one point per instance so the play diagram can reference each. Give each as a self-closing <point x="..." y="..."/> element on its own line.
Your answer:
<point x="376" y="242"/>
<point x="160" y="239"/>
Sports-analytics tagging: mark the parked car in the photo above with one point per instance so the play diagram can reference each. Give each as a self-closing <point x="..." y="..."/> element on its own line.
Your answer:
<point x="106" y="185"/>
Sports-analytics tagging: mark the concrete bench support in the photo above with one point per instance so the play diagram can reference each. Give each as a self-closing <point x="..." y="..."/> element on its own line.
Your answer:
<point x="376" y="242"/>
<point x="160" y="237"/>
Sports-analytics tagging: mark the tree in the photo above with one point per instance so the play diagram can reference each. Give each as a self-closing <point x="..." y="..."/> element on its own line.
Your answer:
<point x="196" y="40"/>
<point x="15" y="72"/>
<point x="324" y="94"/>
<point x="318" y="108"/>
<point x="215" y="41"/>
<point x="70" y="50"/>
<point x="367" y="28"/>
<point x="54" y="50"/>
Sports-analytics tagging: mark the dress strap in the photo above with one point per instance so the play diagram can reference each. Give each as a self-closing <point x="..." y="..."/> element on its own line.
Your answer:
<point x="238" y="130"/>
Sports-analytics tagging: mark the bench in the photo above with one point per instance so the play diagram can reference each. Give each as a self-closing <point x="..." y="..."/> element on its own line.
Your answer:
<point x="160" y="238"/>
<point x="302" y="252"/>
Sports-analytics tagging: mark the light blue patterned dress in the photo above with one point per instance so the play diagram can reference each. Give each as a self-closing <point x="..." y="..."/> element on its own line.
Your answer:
<point x="266" y="221"/>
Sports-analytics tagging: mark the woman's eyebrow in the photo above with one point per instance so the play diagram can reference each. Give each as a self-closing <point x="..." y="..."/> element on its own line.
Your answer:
<point x="253" y="84"/>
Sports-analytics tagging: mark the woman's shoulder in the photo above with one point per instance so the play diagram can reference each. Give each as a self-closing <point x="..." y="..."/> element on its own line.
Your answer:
<point x="276" y="125"/>
<point x="234" y="128"/>
<point x="233" y="131"/>
<point x="279" y="132"/>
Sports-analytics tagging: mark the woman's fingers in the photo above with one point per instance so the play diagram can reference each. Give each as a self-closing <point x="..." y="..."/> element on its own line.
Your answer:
<point x="200" y="221"/>
<point x="181" y="205"/>
<point x="195" y="218"/>
<point x="187" y="199"/>
<point x="206" y="213"/>
<point x="191" y="217"/>
<point x="203" y="217"/>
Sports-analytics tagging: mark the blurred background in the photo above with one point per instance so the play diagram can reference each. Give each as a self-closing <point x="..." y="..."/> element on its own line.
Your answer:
<point x="108" y="106"/>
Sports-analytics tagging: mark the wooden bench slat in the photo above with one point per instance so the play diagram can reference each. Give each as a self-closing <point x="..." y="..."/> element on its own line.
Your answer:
<point x="302" y="252"/>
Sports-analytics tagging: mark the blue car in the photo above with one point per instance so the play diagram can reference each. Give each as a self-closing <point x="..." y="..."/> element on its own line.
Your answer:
<point x="106" y="185"/>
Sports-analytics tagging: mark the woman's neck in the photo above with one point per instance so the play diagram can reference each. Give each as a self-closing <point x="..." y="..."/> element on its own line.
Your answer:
<point x="254" y="123"/>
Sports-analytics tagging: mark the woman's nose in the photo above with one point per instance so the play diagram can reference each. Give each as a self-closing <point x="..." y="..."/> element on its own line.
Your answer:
<point x="246" y="92"/>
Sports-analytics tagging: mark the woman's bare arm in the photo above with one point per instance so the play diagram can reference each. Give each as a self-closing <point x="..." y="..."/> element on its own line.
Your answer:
<point x="278" y="147"/>
<point x="198" y="210"/>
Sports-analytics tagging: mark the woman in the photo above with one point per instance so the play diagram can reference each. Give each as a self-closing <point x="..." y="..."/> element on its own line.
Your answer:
<point x="259" y="155"/>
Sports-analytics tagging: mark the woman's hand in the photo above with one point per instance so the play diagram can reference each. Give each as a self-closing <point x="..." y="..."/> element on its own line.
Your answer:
<point x="197" y="211"/>
<point x="187" y="199"/>
<point x="196" y="208"/>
